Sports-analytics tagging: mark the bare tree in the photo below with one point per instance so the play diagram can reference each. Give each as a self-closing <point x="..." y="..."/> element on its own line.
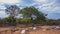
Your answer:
<point x="13" y="11"/>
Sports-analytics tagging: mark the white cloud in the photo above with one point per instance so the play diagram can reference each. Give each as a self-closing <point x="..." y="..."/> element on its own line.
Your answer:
<point x="9" y="1"/>
<point x="49" y="7"/>
<point x="18" y="4"/>
<point x="2" y="7"/>
<point x="31" y="4"/>
<point x="56" y="10"/>
<point x="41" y="1"/>
<point x="3" y="14"/>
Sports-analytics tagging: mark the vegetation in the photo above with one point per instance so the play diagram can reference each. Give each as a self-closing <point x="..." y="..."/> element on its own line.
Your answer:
<point x="13" y="11"/>
<point x="31" y="15"/>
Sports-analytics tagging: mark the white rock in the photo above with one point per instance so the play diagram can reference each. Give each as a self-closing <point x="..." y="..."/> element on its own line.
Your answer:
<point x="57" y="27"/>
<point x="34" y="28"/>
<point x="23" y="31"/>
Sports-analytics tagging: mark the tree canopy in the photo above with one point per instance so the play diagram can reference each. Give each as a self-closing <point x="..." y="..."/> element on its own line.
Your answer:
<point x="30" y="15"/>
<point x="32" y="12"/>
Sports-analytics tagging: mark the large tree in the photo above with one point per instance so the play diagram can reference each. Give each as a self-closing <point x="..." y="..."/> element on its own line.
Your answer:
<point x="32" y="12"/>
<point x="13" y="11"/>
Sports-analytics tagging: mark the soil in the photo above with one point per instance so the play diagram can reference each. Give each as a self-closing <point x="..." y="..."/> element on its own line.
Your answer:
<point x="7" y="30"/>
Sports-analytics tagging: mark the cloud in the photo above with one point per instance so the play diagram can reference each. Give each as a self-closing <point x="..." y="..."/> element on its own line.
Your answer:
<point x="2" y="10"/>
<point x="49" y="7"/>
<point x="3" y="14"/>
<point x="53" y="16"/>
<point x="2" y="7"/>
<point x="9" y="1"/>
<point x="41" y="1"/>
<point x="31" y="4"/>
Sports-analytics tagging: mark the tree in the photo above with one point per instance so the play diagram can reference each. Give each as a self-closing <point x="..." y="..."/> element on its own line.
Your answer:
<point x="13" y="11"/>
<point x="31" y="13"/>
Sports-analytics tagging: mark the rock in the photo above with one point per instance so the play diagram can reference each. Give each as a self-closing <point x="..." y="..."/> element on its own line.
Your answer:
<point x="23" y="31"/>
<point x="34" y="28"/>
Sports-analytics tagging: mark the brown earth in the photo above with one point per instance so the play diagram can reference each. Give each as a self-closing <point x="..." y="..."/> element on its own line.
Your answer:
<point x="3" y="30"/>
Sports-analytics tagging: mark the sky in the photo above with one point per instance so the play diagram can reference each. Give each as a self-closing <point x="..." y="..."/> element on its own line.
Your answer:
<point x="50" y="7"/>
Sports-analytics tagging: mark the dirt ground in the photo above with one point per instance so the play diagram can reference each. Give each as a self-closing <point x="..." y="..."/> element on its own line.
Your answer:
<point x="45" y="32"/>
<point x="3" y="30"/>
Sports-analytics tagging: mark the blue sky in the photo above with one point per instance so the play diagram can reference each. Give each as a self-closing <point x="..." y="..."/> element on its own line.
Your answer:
<point x="50" y="7"/>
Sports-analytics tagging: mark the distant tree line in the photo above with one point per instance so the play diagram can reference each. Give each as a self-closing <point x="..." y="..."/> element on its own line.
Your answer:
<point x="31" y="15"/>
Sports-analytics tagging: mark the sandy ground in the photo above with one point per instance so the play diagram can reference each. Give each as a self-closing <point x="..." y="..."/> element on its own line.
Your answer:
<point x="38" y="31"/>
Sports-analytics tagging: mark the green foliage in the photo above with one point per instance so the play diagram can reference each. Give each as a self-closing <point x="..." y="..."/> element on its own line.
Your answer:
<point x="18" y="21"/>
<point x="13" y="11"/>
<point x="25" y="21"/>
<point x="29" y="11"/>
<point x="10" y="20"/>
